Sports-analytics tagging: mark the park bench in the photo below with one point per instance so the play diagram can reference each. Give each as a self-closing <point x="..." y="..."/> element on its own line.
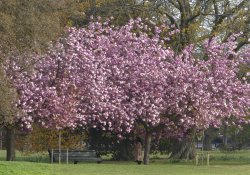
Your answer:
<point x="75" y="156"/>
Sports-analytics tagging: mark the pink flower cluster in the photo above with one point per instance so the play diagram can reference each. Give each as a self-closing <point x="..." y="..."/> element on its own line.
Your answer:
<point x="112" y="77"/>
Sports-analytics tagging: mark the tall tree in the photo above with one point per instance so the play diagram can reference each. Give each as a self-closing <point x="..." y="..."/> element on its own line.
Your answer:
<point x="201" y="19"/>
<point x="30" y="24"/>
<point x="27" y="26"/>
<point x="197" y="19"/>
<point x="120" y="9"/>
<point x="115" y="78"/>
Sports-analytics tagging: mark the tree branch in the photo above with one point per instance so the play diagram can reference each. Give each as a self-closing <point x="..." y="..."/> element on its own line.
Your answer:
<point x="174" y="4"/>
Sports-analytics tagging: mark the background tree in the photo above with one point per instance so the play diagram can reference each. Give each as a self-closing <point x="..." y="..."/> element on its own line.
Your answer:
<point x="27" y="26"/>
<point x="198" y="20"/>
<point x="120" y="9"/>
<point x="7" y="112"/>
<point x="106" y="142"/>
<point x="41" y="139"/>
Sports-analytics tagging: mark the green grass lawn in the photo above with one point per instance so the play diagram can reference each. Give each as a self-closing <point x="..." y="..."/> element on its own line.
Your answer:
<point x="116" y="168"/>
<point x="233" y="163"/>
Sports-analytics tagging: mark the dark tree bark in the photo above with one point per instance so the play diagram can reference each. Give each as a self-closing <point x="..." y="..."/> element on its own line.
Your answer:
<point x="225" y="135"/>
<point x="1" y="139"/>
<point x="147" y="145"/>
<point x="124" y="151"/>
<point x="207" y="142"/>
<point x="184" y="149"/>
<point x="10" y="143"/>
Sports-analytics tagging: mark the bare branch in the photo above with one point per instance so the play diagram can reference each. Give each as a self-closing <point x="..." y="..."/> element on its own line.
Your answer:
<point x="176" y="5"/>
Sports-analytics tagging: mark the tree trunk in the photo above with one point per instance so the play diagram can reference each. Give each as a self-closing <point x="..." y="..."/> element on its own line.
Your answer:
<point x="60" y="146"/>
<point x="1" y="139"/>
<point x="184" y="149"/>
<point x="207" y="142"/>
<point x="225" y="135"/>
<point x="124" y="150"/>
<point x="10" y="144"/>
<point x="147" y="145"/>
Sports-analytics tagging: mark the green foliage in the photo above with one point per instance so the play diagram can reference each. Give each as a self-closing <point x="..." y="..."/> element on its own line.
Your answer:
<point x="108" y="143"/>
<point x="31" y="24"/>
<point x="120" y="9"/>
<point x="7" y="97"/>
<point x="162" y="146"/>
<point x="42" y="139"/>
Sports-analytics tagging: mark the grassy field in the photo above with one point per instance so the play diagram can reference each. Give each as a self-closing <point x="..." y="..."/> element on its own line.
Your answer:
<point x="27" y="168"/>
<point x="233" y="163"/>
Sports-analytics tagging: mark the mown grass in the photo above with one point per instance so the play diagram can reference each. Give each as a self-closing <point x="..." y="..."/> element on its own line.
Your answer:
<point x="222" y="163"/>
